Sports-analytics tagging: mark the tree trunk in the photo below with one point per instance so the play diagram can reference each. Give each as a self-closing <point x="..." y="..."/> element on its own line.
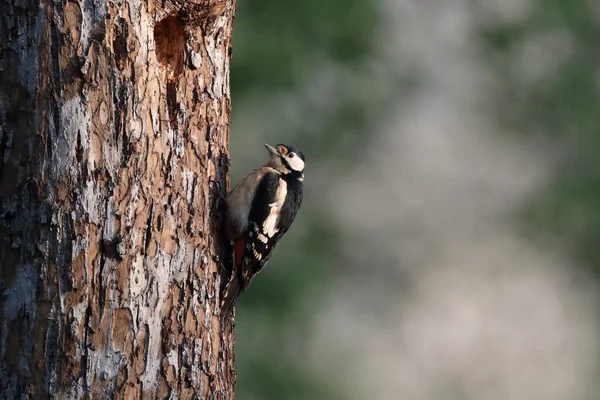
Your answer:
<point x="114" y="130"/>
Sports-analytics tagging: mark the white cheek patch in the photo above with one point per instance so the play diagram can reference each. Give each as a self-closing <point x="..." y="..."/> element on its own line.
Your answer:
<point x="270" y="224"/>
<point x="263" y="238"/>
<point x="296" y="163"/>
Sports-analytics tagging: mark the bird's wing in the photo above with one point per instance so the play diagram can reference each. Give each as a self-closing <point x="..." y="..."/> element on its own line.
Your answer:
<point x="263" y="225"/>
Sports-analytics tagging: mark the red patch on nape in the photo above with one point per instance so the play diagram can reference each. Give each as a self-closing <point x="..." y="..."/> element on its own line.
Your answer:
<point x="282" y="150"/>
<point x="240" y="245"/>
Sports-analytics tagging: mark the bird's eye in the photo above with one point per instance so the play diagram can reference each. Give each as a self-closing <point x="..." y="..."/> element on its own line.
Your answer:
<point x="291" y="155"/>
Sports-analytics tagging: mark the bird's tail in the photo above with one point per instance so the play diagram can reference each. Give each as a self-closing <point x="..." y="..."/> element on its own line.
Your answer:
<point x="230" y="295"/>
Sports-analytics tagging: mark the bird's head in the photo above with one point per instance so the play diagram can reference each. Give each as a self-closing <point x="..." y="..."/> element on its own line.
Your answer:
<point x="286" y="159"/>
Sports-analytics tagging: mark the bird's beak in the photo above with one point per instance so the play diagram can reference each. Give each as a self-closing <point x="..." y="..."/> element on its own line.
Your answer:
<point x="272" y="150"/>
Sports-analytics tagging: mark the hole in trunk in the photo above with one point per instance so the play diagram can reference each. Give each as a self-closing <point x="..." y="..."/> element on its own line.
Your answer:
<point x="169" y="37"/>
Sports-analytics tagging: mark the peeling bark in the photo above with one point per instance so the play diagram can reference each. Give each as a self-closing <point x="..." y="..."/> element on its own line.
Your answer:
<point x="114" y="130"/>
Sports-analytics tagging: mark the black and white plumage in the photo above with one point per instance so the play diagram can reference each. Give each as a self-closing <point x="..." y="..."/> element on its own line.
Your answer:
<point x="260" y="210"/>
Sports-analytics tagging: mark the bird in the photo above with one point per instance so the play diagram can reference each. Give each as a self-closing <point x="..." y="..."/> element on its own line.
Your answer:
<point x="259" y="210"/>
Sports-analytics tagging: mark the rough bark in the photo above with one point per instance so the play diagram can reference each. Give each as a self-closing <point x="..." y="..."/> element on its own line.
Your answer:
<point x="114" y="129"/>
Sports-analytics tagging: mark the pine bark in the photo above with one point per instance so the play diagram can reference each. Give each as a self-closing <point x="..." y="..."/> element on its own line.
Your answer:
<point x="114" y="130"/>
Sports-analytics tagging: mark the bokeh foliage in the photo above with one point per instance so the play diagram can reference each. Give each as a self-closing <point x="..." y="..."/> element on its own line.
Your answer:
<point x="563" y="109"/>
<point x="280" y="47"/>
<point x="276" y="41"/>
<point x="277" y="47"/>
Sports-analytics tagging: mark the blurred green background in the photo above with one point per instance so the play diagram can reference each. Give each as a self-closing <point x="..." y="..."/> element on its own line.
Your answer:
<point x="447" y="245"/>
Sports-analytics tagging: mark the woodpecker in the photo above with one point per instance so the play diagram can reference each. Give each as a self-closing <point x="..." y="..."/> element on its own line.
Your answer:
<point x="260" y="210"/>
